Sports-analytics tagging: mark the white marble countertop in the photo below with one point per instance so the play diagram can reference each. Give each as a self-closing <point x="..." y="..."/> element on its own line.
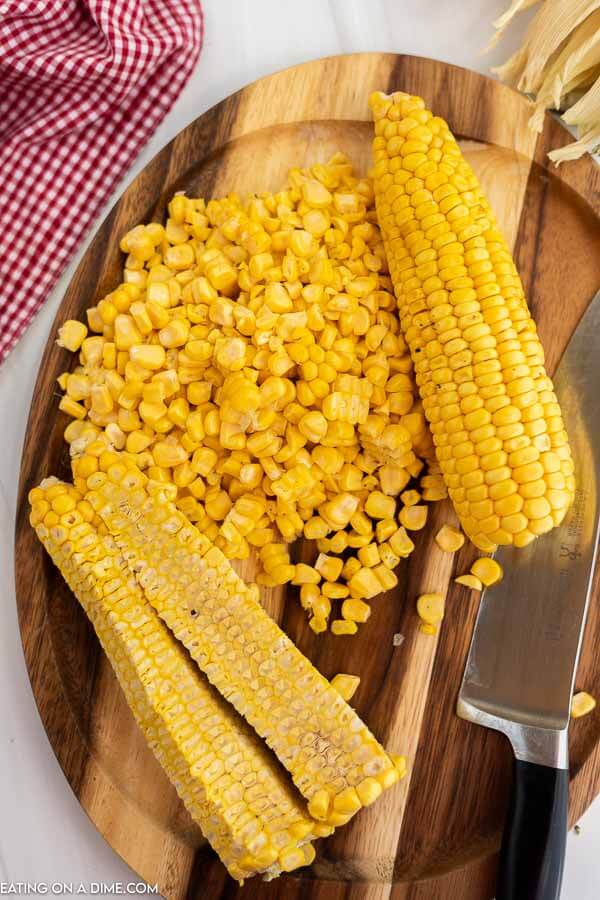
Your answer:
<point x="44" y="834"/>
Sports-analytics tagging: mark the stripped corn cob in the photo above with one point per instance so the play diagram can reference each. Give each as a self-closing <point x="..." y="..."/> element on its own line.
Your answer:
<point x="240" y="799"/>
<point x="479" y="365"/>
<point x="334" y="760"/>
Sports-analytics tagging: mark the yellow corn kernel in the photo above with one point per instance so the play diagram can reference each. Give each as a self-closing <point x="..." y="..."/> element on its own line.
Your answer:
<point x="317" y="624"/>
<point x="369" y="555"/>
<point x="351" y="567"/>
<point x="71" y="335"/>
<point x="330" y="567"/>
<point x="384" y="529"/>
<point x="309" y="594"/>
<point x="72" y="408"/>
<point x="387" y="555"/>
<point x="355" y="610"/>
<point x="487" y="570"/>
<point x="305" y="575"/>
<point x="168" y="453"/>
<point x="329" y="459"/>
<point x="179" y="257"/>
<point x="175" y="334"/>
<point x="94" y="319"/>
<point x="358" y="540"/>
<point x="157" y="313"/>
<point x="449" y="539"/>
<point x="470" y="581"/>
<point x="101" y="399"/>
<point x="430" y="608"/>
<point x="313" y="425"/>
<point x="137" y="442"/>
<point x="581" y="704"/>
<point x="400" y="543"/>
<point x="361" y="523"/>
<point x="126" y="332"/>
<point x="380" y="506"/>
<point x="338" y="511"/>
<point x="77" y="386"/>
<point x="339" y="542"/>
<point x="334" y="590"/>
<point x="149" y="356"/>
<point x="343" y="626"/>
<point x="204" y="460"/>
<point x="345" y="685"/>
<point x="413" y="517"/>
<point x="410" y="498"/>
<point x="151" y="412"/>
<point x="364" y="583"/>
<point x="91" y="351"/>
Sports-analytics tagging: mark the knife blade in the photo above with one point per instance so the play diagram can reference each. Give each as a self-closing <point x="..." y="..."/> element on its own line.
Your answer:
<point x="521" y="666"/>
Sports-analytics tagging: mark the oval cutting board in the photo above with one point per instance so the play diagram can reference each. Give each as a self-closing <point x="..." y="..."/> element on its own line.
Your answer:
<point x="434" y="836"/>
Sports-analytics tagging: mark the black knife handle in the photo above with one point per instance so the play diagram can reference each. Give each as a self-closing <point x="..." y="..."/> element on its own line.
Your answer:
<point x="535" y="833"/>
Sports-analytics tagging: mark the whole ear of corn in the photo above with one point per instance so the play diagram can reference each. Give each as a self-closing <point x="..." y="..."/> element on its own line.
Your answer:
<point x="479" y="365"/>
<point x="334" y="760"/>
<point x="240" y="799"/>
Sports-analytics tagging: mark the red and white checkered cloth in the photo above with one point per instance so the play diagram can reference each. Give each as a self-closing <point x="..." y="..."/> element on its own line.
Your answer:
<point x="83" y="84"/>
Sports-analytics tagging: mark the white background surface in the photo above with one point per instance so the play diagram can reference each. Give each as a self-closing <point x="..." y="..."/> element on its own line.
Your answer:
<point x="44" y="834"/>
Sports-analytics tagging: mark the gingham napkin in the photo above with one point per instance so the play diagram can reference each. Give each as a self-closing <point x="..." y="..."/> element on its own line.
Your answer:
<point x="83" y="84"/>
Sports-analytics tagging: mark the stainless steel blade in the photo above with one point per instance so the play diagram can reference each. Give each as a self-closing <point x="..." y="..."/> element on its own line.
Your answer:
<point x="521" y="666"/>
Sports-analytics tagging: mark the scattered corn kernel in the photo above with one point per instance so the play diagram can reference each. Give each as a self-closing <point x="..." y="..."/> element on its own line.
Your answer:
<point x="71" y="335"/>
<point x="343" y="626"/>
<point x="470" y="581"/>
<point x="581" y="704"/>
<point x="449" y="539"/>
<point x="413" y="517"/>
<point x="430" y="608"/>
<point x="345" y="685"/>
<point x="487" y="570"/>
<point x="380" y="506"/>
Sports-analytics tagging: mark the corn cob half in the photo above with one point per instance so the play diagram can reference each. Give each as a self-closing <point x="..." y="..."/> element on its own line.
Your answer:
<point x="334" y="760"/>
<point x="496" y="423"/>
<point x="232" y="788"/>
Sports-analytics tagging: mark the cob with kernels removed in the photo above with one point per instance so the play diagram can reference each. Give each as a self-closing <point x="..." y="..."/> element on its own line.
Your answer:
<point x="240" y="799"/>
<point x="334" y="760"/>
<point x="496" y="424"/>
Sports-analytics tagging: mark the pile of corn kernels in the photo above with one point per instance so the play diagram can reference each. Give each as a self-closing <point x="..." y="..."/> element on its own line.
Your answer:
<point x="252" y="360"/>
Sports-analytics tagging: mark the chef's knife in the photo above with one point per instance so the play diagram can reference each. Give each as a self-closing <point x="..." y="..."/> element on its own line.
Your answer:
<point x="521" y="666"/>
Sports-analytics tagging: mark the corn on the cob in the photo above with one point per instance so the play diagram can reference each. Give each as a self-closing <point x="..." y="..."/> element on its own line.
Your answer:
<point x="496" y="423"/>
<point x="334" y="760"/>
<point x="238" y="796"/>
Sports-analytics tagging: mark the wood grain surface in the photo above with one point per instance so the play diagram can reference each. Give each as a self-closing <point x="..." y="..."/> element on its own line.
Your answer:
<point x="435" y="836"/>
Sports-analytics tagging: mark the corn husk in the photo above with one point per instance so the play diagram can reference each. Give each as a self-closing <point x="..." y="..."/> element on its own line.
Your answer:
<point x="559" y="63"/>
<point x="503" y="21"/>
<point x="574" y="67"/>
<point x="586" y="114"/>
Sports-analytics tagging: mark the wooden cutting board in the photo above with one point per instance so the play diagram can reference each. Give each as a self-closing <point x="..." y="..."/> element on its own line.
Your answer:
<point x="435" y="835"/>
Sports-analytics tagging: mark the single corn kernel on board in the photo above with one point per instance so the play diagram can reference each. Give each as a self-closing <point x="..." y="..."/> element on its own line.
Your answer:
<point x="293" y="121"/>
